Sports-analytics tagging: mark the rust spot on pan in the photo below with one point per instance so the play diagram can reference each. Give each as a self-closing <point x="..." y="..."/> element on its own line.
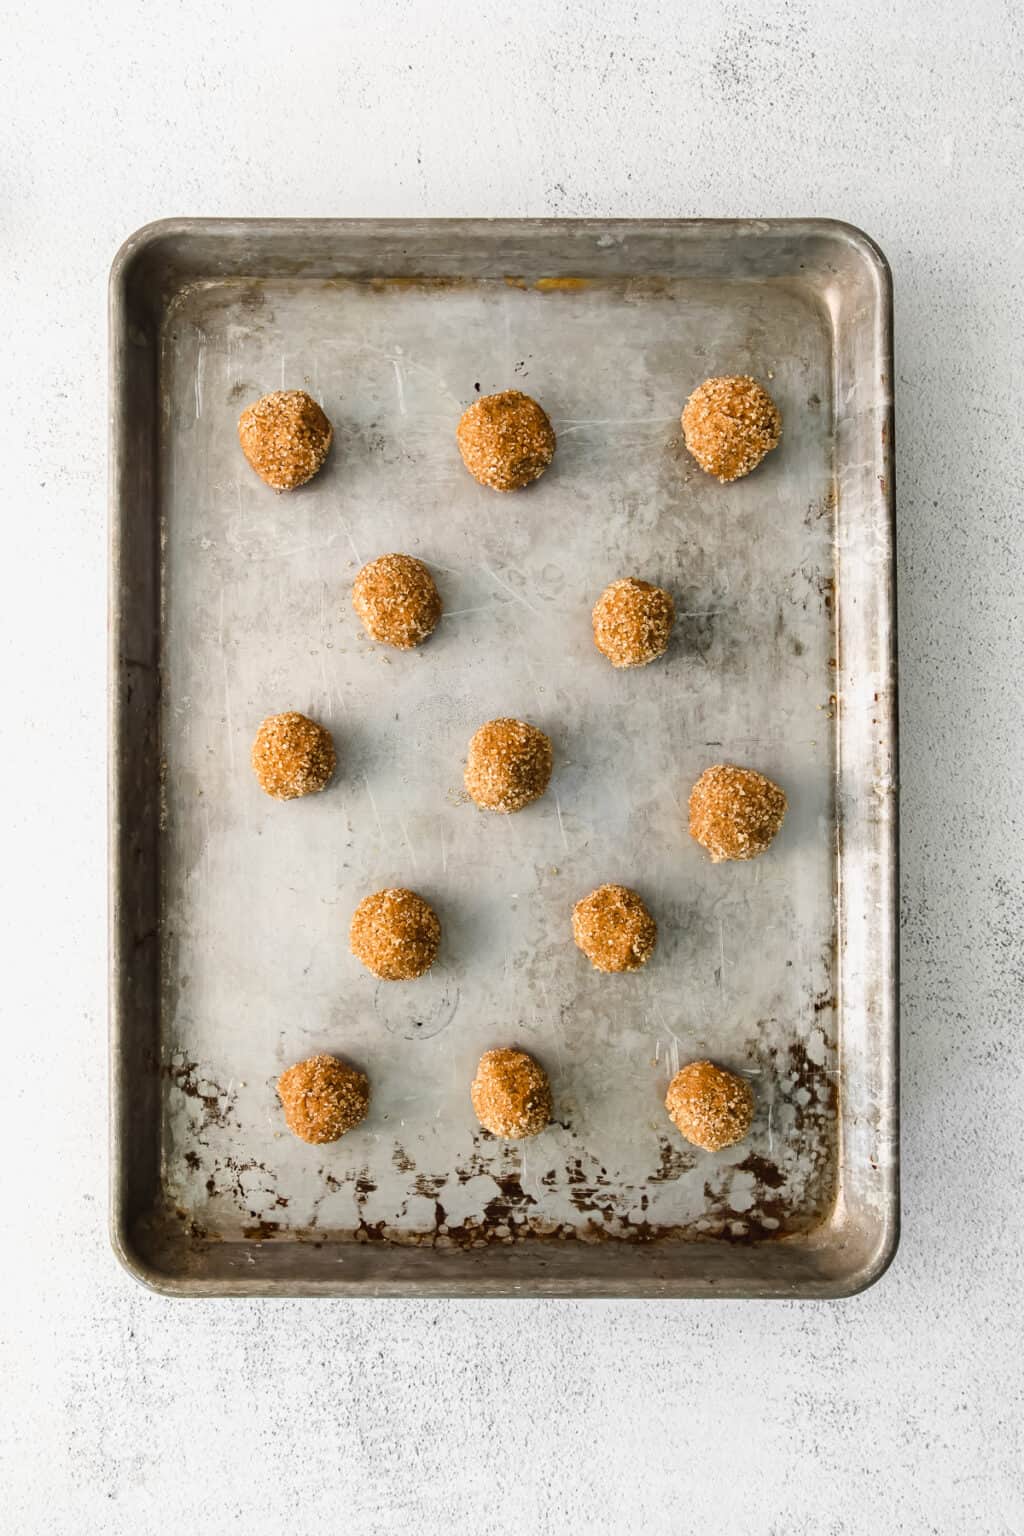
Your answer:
<point x="261" y="1231"/>
<point x="426" y="282"/>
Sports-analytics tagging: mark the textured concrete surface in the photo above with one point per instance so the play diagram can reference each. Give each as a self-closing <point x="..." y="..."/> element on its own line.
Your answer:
<point x="896" y="1412"/>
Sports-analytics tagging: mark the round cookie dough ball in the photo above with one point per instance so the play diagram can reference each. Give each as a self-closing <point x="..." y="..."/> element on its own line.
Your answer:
<point x="292" y="756"/>
<point x="286" y="438"/>
<point x="322" y="1098"/>
<point x="508" y="765"/>
<point x="397" y="600"/>
<point x="511" y="1094"/>
<point x="395" y="934"/>
<point x="614" y="929"/>
<point x="633" y="622"/>
<point x="712" y="1108"/>
<point x="735" y="812"/>
<point x="729" y="425"/>
<point x="506" y="440"/>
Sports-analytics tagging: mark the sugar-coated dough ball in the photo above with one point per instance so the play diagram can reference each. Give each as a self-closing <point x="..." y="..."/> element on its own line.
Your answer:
<point x="712" y="1108"/>
<point x="292" y="756"/>
<point x="633" y="622"/>
<point x="286" y="438"/>
<point x="508" y="765"/>
<point x="506" y="440"/>
<point x="735" y="812"/>
<point x="729" y="424"/>
<point x="397" y="600"/>
<point x="511" y="1094"/>
<point x="395" y="934"/>
<point x="323" y="1098"/>
<point x="614" y="929"/>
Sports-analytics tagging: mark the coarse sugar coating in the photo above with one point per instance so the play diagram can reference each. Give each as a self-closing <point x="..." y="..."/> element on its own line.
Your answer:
<point x="729" y="424"/>
<point x="395" y="934"/>
<point x="511" y="1094"/>
<point x="322" y="1098"/>
<point x="506" y="440"/>
<point x="508" y="764"/>
<point x="735" y="813"/>
<point x="397" y="600"/>
<point x="292" y="756"/>
<point x="633" y="622"/>
<point x="286" y="437"/>
<point x="712" y="1108"/>
<point x="614" y="929"/>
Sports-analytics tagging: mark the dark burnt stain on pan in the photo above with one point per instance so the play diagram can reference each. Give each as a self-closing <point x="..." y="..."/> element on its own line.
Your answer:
<point x="367" y="1231"/>
<point x="478" y="1163"/>
<point x="766" y="1173"/>
<point x="513" y="1191"/>
<point x="673" y="1163"/>
<point x="215" y="1108"/>
<point x="429" y="1186"/>
<point x="818" y="1083"/>
<point x="195" y="1229"/>
<point x="228" y="1178"/>
<point x="261" y="1230"/>
<point x="509" y="1203"/>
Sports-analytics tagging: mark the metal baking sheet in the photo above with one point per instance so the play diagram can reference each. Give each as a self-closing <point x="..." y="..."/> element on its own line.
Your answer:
<point x="230" y="911"/>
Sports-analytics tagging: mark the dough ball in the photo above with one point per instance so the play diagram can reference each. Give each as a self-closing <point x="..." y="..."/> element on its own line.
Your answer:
<point x="511" y="1094"/>
<point x="286" y="438"/>
<point x="735" y="812"/>
<point x="322" y="1098"/>
<point x="292" y="756"/>
<point x="506" y="440"/>
<point x="397" y="600"/>
<point x="508" y="765"/>
<point x="395" y="934"/>
<point x="633" y="622"/>
<point x="712" y="1108"/>
<point x="614" y="929"/>
<point x="729" y="425"/>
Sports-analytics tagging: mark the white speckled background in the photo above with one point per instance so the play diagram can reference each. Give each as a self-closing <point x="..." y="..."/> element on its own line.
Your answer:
<point x="896" y="1412"/>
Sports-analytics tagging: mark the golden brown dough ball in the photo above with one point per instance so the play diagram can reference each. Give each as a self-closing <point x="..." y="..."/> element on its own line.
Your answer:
<point x="729" y="424"/>
<point x="511" y="1094"/>
<point x="712" y="1108"/>
<point x="633" y="622"/>
<point x="614" y="929"/>
<point x="506" y="440"/>
<point x="292" y="756"/>
<point x="395" y="934"/>
<point x="397" y="600"/>
<point x="285" y="437"/>
<point x="735" y="812"/>
<point x="323" y="1098"/>
<point x="508" y="764"/>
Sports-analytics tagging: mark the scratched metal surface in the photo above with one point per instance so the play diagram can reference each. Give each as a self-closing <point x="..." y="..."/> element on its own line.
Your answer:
<point x="257" y="896"/>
